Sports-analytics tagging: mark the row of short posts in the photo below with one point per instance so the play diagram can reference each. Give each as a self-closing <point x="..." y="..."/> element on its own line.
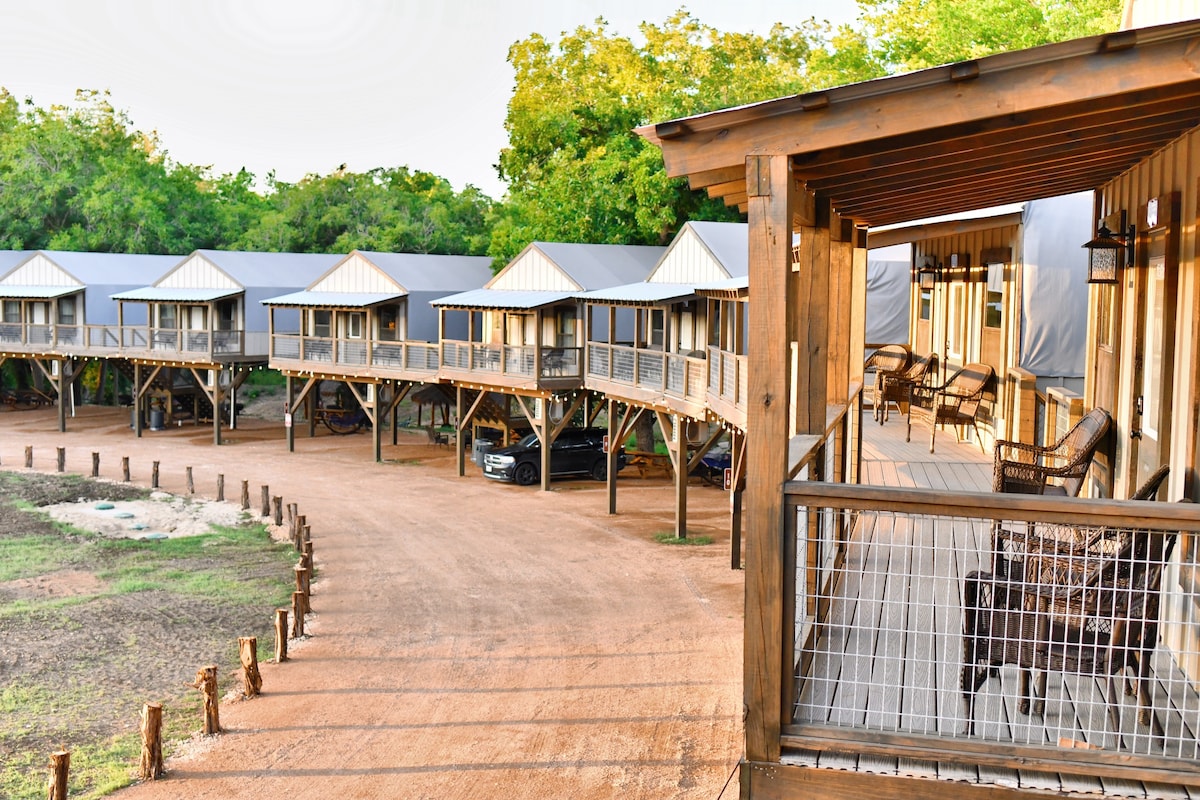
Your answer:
<point x="300" y="534"/>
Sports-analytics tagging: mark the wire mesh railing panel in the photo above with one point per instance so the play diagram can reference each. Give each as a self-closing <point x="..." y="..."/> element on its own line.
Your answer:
<point x="1067" y="634"/>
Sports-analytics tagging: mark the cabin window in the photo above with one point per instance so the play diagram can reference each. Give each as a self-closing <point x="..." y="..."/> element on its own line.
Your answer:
<point x="354" y="325"/>
<point x="565" y="334"/>
<point x="66" y="311"/>
<point x="993" y="310"/>
<point x="168" y="316"/>
<point x="1152" y="369"/>
<point x="654" y="333"/>
<point x="389" y="323"/>
<point x="196" y="317"/>
<point x="227" y="315"/>
<point x="320" y="323"/>
<point x="926" y="306"/>
<point x="12" y="311"/>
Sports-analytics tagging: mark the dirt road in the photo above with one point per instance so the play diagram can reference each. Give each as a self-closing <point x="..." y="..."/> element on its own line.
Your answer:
<point x="471" y="640"/>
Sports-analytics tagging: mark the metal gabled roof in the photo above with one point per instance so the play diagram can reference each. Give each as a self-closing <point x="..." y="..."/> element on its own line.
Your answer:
<point x="424" y="272"/>
<point x="502" y="299"/>
<point x="156" y="294"/>
<point x="644" y="293"/>
<point x="9" y="291"/>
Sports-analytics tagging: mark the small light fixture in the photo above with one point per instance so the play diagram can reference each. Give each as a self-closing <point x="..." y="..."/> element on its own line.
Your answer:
<point x="1105" y="253"/>
<point x="929" y="273"/>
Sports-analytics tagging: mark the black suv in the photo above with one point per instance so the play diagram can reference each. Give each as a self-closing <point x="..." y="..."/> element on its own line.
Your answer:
<point x="576" y="451"/>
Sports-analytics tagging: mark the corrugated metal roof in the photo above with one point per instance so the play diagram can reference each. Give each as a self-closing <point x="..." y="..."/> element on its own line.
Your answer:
<point x="9" y="259"/>
<point x="155" y="294"/>
<point x="422" y="272"/>
<point x="332" y="299"/>
<point x="502" y="299"/>
<point x="128" y="269"/>
<point x="598" y="266"/>
<point x="640" y="293"/>
<point x="740" y="284"/>
<point x="12" y="291"/>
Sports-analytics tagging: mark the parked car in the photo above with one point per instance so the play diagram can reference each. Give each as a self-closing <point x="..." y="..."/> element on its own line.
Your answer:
<point x="576" y="451"/>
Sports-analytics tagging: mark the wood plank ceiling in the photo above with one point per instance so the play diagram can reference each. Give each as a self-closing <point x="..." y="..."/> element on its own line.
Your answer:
<point x="1007" y="128"/>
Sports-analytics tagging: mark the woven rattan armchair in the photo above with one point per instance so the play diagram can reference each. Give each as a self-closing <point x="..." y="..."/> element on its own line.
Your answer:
<point x="1058" y="469"/>
<point x="1092" y="610"/>
<point x="891" y="359"/>
<point x="894" y="387"/>
<point x="955" y="402"/>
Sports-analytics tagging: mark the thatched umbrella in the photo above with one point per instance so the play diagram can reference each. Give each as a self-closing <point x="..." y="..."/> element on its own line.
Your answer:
<point x="437" y="396"/>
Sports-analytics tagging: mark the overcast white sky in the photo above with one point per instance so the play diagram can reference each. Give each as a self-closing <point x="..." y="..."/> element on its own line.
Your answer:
<point x="302" y="86"/>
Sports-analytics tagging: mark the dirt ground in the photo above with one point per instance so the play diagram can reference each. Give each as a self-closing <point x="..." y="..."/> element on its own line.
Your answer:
<point x="470" y="639"/>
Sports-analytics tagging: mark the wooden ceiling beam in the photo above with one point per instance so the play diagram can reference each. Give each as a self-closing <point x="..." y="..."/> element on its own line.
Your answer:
<point x="702" y="180"/>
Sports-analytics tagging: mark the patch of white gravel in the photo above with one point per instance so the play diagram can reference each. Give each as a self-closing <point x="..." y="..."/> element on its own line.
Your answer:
<point x="161" y="516"/>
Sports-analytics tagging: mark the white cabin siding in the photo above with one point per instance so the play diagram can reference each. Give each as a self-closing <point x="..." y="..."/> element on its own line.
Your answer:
<point x="688" y="261"/>
<point x="198" y="273"/>
<point x="39" y="271"/>
<point x="357" y="274"/>
<point x="534" y="272"/>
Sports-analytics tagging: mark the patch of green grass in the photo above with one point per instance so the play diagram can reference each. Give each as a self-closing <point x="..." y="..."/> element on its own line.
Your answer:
<point x="669" y="537"/>
<point x="27" y="556"/>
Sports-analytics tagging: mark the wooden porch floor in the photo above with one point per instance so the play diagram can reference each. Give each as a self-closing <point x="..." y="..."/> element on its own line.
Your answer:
<point x="891" y="657"/>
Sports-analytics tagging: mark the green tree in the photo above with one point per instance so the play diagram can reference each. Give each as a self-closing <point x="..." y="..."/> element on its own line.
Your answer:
<point x="387" y="209"/>
<point x="575" y="168"/>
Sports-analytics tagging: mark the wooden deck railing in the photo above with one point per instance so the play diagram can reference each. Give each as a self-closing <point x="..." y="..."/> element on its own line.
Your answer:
<point x="886" y="636"/>
<point x="512" y="360"/>
<point x="727" y="376"/>
<point x="293" y="349"/>
<point x="672" y="374"/>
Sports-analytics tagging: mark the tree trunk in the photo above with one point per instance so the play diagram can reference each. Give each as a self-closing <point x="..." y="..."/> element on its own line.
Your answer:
<point x="60" y="767"/>
<point x="151" y="767"/>
<point x="645" y="433"/>
<point x="206" y="682"/>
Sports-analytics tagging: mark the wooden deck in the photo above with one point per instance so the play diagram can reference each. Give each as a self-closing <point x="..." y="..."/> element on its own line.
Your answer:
<point x="890" y="656"/>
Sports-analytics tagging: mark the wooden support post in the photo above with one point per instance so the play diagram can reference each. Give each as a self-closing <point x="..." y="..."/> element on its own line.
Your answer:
<point x="460" y="458"/>
<point x="61" y="459"/>
<point x="206" y="682"/>
<point x="191" y="485"/>
<point x="735" y="529"/>
<point x="281" y="635"/>
<point x="305" y="535"/>
<point x="28" y="456"/>
<point x="221" y="487"/>
<point x="95" y="465"/>
<point x="297" y="615"/>
<point x="137" y="399"/>
<point x="277" y="507"/>
<point x="125" y="468"/>
<point x="610" y="455"/>
<point x="302" y="586"/>
<point x="60" y="768"/>
<point x="251" y="678"/>
<point x="245" y="495"/>
<point x="298" y="531"/>
<point x="308" y="553"/>
<point x="153" y="474"/>
<point x="291" y="513"/>
<point x="151" y="767"/>
<point x="288" y="417"/>
<point x="266" y="501"/>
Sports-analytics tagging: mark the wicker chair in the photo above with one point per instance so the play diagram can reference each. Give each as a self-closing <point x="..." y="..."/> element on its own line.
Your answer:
<point x="1090" y="611"/>
<point x="893" y="387"/>
<point x="955" y="402"/>
<point x="887" y="360"/>
<point x="1058" y="469"/>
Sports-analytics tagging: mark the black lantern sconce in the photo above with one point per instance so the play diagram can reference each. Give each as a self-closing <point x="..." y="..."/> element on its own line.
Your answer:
<point x="1109" y="252"/>
<point x="929" y="274"/>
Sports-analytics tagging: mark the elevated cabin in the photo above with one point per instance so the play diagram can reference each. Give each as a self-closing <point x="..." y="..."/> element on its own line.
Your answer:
<point x="205" y="316"/>
<point x="1006" y="288"/>
<point x="367" y="322"/>
<point x="662" y="368"/>
<point x="56" y="309"/>
<point x="524" y="335"/>
<point x="891" y="633"/>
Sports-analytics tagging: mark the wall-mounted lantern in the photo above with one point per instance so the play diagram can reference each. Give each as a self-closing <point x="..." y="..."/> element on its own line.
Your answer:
<point x="929" y="273"/>
<point x="1109" y="252"/>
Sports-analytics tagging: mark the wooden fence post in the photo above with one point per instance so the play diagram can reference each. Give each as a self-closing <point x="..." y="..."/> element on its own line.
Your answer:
<point x="191" y="485"/>
<point x="245" y="495"/>
<point x="95" y="465"/>
<point x="251" y="678"/>
<point x="62" y="459"/>
<point x="60" y="767"/>
<point x="302" y="586"/>
<point x="154" y="475"/>
<point x="297" y="614"/>
<point x="29" y="459"/>
<point x="298" y="532"/>
<point x="281" y="620"/>
<point x="266" y="501"/>
<point x="151" y="767"/>
<point x="206" y="682"/>
<point x="125" y="468"/>
<point x="221" y="487"/>
<point x="277" y="507"/>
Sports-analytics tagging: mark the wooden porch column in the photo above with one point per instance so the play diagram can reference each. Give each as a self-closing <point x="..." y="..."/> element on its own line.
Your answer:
<point x="542" y="424"/>
<point x="62" y="386"/>
<point x="137" y="399"/>
<point x="459" y="451"/>
<point x="771" y="196"/>
<point x="216" y="403"/>
<point x="290" y="421"/>
<point x="611" y="456"/>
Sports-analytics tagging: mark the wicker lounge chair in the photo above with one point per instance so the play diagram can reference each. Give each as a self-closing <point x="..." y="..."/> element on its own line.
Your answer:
<point x="887" y="360"/>
<point x="1058" y="469"/>
<point x="955" y="402"/>
<point x="893" y="387"/>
